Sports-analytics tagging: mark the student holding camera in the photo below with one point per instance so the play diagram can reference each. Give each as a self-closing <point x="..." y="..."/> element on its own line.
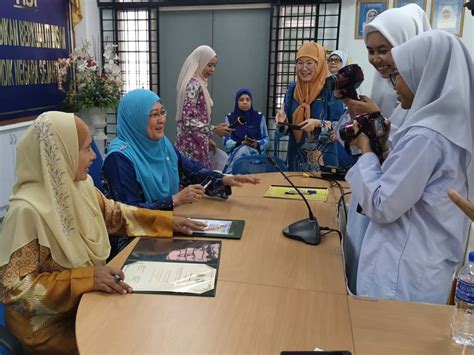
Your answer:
<point x="414" y="239"/>
<point x="308" y="112"/>
<point x="391" y="28"/>
<point x="388" y="30"/>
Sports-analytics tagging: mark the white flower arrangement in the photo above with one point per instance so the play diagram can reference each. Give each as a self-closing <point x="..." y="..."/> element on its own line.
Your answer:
<point x="90" y="85"/>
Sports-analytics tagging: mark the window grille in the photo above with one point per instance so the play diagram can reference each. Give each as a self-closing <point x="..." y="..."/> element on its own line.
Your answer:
<point x="135" y="31"/>
<point x="292" y="25"/>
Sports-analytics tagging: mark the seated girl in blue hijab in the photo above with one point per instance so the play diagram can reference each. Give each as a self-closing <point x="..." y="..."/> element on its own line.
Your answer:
<point x="142" y="167"/>
<point x="250" y="135"/>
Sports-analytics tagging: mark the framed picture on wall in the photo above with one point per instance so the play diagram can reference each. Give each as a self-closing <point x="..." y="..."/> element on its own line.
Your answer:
<point x="400" y="3"/>
<point x="447" y="15"/>
<point x="366" y="11"/>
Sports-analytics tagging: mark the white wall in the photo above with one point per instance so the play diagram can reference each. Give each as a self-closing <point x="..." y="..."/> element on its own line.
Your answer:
<point x="356" y="47"/>
<point x="89" y="28"/>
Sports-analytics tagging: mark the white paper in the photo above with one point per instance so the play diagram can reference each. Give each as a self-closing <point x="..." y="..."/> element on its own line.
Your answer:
<point x="170" y="277"/>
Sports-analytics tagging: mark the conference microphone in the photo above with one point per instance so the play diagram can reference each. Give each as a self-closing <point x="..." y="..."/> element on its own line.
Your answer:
<point x="306" y="230"/>
<point x="238" y="122"/>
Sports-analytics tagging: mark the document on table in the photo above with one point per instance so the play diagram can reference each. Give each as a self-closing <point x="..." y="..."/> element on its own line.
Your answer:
<point x="214" y="226"/>
<point x="151" y="276"/>
<point x="218" y="228"/>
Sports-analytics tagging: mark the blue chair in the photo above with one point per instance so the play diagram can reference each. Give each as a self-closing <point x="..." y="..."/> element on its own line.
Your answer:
<point x="8" y="343"/>
<point x="254" y="164"/>
<point x="95" y="171"/>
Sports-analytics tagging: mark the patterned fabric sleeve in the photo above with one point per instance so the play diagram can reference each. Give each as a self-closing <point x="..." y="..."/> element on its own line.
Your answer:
<point x="193" y="104"/>
<point x="34" y="285"/>
<point x="191" y="172"/>
<point x="132" y="221"/>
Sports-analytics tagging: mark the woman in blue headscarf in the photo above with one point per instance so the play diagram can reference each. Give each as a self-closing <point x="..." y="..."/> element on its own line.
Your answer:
<point x="142" y="167"/>
<point x="250" y="135"/>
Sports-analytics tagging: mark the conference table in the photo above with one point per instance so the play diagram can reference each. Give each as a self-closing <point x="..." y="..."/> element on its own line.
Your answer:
<point x="273" y="294"/>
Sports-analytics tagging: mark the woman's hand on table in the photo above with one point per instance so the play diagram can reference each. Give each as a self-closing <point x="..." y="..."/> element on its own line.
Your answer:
<point x="110" y="280"/>
<point x="186" y="225"/>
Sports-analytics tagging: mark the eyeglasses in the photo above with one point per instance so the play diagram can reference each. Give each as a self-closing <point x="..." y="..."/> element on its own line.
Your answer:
<point x="334" y="60"/>
<point x="156" y="114"/>
<point x="308" y="64"/>
<point x="393" y="77"/>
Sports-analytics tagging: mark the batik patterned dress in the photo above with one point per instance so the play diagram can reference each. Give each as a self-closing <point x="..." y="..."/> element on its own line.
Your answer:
<point x="194" y="129"/>
<point x="41" y="297"/>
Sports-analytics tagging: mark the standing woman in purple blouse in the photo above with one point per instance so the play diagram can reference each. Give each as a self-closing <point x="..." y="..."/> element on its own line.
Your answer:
<point x="194" y="104"/>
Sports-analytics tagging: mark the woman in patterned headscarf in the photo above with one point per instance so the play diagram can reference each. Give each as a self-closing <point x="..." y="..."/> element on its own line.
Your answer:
<point x="193" y="107"/>
<point x="307" y="106"/>
<point x="54" y="240"/>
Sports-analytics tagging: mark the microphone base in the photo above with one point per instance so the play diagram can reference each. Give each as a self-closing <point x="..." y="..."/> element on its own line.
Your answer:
<point x="306" y="230"/>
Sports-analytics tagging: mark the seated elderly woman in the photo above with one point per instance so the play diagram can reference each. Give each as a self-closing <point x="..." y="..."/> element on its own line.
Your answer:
<point x="54" y="239"/>
<point x="250" y="135"/>
<point x="144" y="169"/>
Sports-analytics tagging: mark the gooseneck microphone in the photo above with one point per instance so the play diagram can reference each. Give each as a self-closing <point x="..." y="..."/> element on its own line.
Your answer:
<point x="306" y="230"/>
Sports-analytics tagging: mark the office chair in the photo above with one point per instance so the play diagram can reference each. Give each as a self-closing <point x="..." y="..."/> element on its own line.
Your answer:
<point x="254" y="164"/>
<point x="95" y="171"/>
<point x="9" y="344"/>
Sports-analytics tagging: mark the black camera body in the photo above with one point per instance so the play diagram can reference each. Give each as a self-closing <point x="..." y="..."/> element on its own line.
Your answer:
<point x="372" y="124"/>
<point x="346" y="80"/>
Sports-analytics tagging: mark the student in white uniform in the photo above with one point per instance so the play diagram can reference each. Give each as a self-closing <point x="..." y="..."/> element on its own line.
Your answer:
<point x="414" y="240"/>
<point x="388" y="30"/>
<point x="394" y="27"/>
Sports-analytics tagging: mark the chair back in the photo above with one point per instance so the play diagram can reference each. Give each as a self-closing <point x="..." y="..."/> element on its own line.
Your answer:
<point x="254" y="164"/>
<point x="95" y="171"/>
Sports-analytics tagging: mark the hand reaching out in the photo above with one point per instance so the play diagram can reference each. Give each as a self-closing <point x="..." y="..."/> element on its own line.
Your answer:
<point x="310" y="125"/>
<point x="223" y="129"/>
<point x="239" y="180"/>
<point x="464" y="204"/>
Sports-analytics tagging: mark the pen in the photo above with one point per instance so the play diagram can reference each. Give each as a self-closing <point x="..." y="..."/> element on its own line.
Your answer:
<point x="207" y="184"/>
<point x="307" y="192"/>
<point x="118" y="278"/>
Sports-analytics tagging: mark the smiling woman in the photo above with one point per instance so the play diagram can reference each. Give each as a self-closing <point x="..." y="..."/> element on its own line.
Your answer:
<point x="54" y="239"/>
<point x="144" y="169"/>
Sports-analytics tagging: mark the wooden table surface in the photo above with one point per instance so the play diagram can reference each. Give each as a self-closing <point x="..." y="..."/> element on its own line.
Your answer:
<point x="273" y="294"/>
<point x="394" y="327"/>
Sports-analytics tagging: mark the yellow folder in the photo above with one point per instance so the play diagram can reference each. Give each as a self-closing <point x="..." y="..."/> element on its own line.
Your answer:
<point x="310" y="193"/>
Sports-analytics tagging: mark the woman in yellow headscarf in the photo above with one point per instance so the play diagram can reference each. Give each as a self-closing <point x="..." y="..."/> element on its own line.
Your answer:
<point x="307" y="108"/>
<point x="54" y="240"/>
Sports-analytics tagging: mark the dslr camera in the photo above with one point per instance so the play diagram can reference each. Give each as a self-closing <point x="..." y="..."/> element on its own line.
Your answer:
<point x="346" y="80"/>
<point x="372" y="124"/>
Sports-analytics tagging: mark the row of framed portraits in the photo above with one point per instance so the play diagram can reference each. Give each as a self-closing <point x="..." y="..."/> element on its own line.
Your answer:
<point x="445" y="15"/>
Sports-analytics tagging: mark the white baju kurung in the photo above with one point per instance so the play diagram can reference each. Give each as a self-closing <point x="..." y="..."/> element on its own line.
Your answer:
<point x="415" y="237"/>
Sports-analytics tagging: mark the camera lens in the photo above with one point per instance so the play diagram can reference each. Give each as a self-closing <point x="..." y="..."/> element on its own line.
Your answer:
<point x="347" y="132"/>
